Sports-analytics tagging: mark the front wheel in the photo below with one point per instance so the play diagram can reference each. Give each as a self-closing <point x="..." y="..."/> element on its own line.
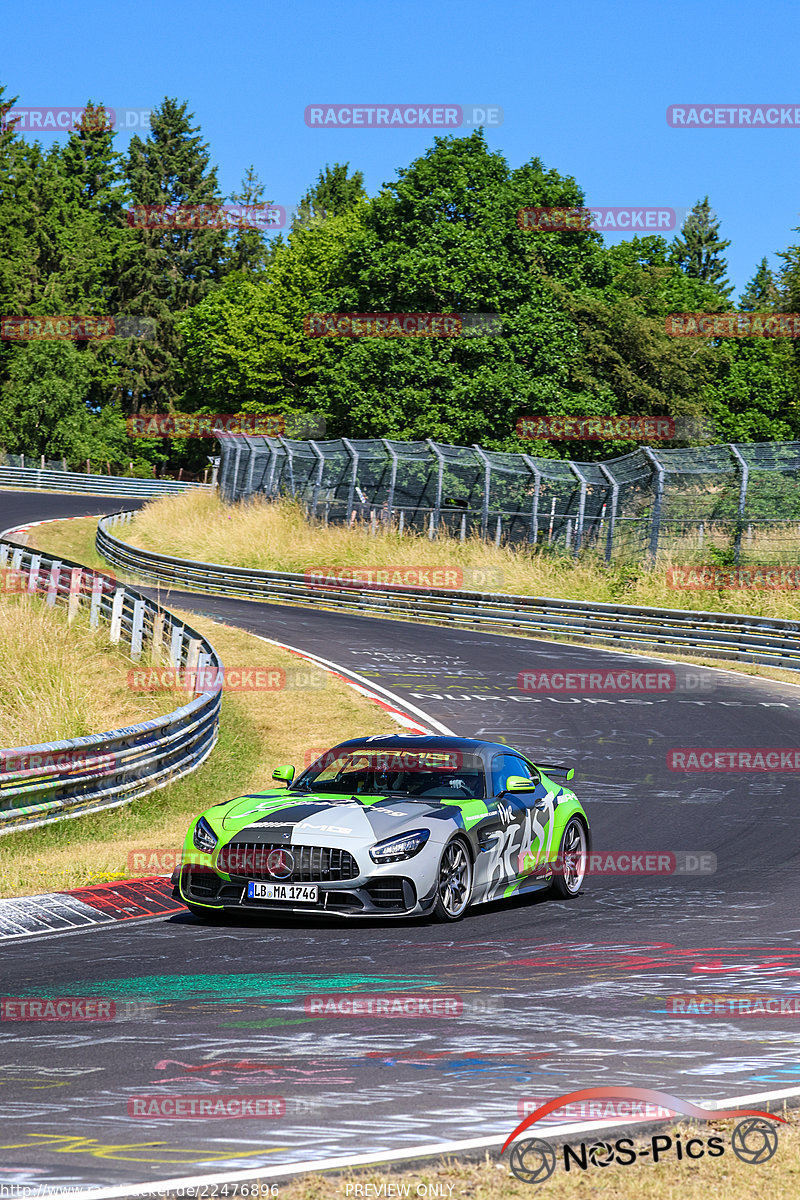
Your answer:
<point x="571" y="865"/>
<point x="453" y="882"/>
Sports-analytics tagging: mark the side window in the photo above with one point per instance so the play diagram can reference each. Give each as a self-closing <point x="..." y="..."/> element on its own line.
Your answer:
<point x="504" y="765"/>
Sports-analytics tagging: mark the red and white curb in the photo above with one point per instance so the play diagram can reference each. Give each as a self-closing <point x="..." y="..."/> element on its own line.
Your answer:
<point x="79" y="908"/>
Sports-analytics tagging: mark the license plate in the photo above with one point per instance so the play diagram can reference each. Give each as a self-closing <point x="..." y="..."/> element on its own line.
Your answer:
<point x="307" y="893"/>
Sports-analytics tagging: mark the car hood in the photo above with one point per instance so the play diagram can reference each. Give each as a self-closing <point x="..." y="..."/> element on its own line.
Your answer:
<point x="313" y="817"/>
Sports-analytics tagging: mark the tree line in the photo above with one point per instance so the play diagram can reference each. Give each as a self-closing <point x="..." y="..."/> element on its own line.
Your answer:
<point x="582" y="324"/>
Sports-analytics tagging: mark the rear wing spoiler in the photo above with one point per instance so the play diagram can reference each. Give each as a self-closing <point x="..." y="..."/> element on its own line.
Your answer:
<point x="556" y="769"/>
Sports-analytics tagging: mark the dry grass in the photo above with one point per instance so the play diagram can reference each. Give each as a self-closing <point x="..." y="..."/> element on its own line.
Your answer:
<point x="270" y="536"/>
<point x="724" y="1177"/>
<point x="75" y="539"/>
<point x="62" y="681"/>
<point x="259" y="730"/>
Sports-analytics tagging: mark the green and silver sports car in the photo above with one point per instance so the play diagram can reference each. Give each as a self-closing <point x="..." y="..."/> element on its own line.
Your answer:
<point x="390" y="827"/>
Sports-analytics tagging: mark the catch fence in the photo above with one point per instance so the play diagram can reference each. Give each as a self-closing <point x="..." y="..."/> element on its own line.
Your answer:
<point x="731" y="503"/>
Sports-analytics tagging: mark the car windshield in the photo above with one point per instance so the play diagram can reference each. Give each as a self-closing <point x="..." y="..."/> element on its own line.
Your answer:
<point x="411" y="773"/>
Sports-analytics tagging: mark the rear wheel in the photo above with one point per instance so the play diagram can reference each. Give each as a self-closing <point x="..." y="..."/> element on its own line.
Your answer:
<point x="453" y="882"/>
<point x="568" y="878"/>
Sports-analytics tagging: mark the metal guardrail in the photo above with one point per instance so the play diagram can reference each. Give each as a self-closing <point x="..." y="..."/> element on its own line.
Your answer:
<point x="733" y="636"/>
<point x="55" y="780"/>
<point x="103" y="485"/>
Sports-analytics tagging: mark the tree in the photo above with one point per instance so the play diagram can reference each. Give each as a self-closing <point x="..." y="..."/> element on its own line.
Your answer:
<point x="250" y="250"/>
<point x="334" y="194"/>
<point x="761" y="293"/>
<point x="45" y="407"/>
<point x="167" y="270"/>
<point x="698" y="249"/>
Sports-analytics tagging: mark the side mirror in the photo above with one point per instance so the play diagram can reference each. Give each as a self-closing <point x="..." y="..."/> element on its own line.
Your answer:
<point x="518" y="783"/>
<point x="286" y="774"/>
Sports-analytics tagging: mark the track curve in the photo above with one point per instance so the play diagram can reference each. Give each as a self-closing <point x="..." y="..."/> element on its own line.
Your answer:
<point x="557" y="995"/>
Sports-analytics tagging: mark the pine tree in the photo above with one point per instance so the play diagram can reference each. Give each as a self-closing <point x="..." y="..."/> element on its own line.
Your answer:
<point x="334" y="193"/>
<point x="698" y="249"/>
<point x="761" y="293"/>
<point x="250" y="250"/>
<point x="167" y="270"/>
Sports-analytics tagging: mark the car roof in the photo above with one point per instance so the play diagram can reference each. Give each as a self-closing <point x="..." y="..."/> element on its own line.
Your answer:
<point x="394" y="741"/>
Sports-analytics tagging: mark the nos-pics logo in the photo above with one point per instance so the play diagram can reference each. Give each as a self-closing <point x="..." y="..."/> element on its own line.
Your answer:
<point x="754" y="1139"/>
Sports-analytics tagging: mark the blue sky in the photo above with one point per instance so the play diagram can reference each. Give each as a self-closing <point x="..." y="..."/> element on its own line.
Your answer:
<point x="584" y="87"/>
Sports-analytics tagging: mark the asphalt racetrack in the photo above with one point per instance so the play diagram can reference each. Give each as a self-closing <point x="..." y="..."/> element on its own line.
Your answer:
<point x="553" y="995"/>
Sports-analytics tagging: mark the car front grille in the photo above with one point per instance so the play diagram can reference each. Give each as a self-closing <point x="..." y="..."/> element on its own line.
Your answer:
<point x="312" y="864"/>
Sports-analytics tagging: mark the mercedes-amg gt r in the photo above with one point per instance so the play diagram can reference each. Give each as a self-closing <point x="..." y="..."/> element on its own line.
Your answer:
<point x="390" y="826"/>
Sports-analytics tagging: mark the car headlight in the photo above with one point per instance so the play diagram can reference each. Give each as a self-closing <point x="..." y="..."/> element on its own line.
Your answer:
<point x="405" y="846"/>
<point x="204" y="837"/>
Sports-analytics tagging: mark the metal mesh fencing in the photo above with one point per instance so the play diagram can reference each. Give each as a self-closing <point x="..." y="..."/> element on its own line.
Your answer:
<point x="733" y="503"/>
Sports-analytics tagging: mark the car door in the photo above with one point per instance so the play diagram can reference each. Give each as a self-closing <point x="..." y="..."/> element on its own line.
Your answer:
<point x="519" y="826"/>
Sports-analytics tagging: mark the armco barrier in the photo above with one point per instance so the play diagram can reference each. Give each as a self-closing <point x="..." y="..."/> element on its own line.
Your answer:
<point x="720" y="635"/>
<point x="52" y="781"/>
<point x="102" y="485"/>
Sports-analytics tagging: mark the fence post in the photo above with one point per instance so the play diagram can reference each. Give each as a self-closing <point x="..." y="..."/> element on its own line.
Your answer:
<point x="175" y="646"/>
<point x="273" y="462"/>
<point x="581" y="505"/>
<point x="392" y="478"/>
<point x="252" y="462"/>
<point x="657" y="503"/>
<point x="75" y="577"/>
<point x="744" y="479"/>
<point x="116" y="615"/>
<point x="54" y="581"/>
<point x="351" y="450"/>
<point x="192" y="659"/>
<point x="487" y="483"/>
<point x="158" y="636"/>
<point x="33" y="576"/>
<point x="137" y="629"/>
<point x="613" y="517"/>
<point x="235" y="492"/>
<point x="537" y="487"/>
<point x="97" y="596"/>
<point x="318" y="480"/>
<point x="289" y="461"/>
<point x="439" y="485"/>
